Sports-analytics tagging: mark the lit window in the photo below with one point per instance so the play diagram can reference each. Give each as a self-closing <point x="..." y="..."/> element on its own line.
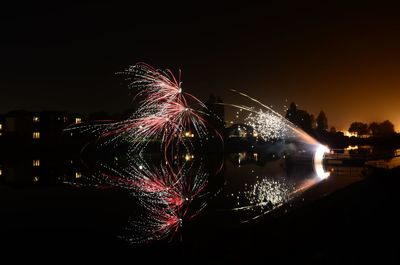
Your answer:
<point x="78" y="120"/>
<point x="78" y="175"/>
<point x="36" y="135"/>
<point x="36" y="119"/>
<point x="36" y="163"/>
<point x="35" y="179"/>
<point x="1" y="126"/>
<point x="1" y="172"/>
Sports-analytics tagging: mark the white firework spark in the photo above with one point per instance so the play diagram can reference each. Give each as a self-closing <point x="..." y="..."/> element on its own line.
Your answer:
<point x="268" y="125"/>
<point x="265" y="194"/>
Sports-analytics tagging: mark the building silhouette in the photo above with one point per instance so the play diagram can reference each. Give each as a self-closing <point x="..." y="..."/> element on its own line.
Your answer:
<point x="22" y="127"/>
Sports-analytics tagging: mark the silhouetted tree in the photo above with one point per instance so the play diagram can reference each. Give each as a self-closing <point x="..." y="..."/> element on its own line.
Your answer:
<point x="359" y="127"/>
<point x="322" y="121"/>
<point x="300" y="118"/>
<point x="303" y="119"/>
<point x="215" y="112"/>
<point x="333" y="129"/>
<point x="373" y="128"/>
<point x="291" y="112"/>
<point x="385" y="128"/>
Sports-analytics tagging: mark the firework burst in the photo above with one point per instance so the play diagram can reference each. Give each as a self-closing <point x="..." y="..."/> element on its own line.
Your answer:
<point x="163" y="112"/>
<point x="269" y="124"/>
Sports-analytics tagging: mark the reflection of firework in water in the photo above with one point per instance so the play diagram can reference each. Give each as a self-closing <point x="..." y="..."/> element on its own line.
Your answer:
<point x="267" y="193"/>
<point x="143" y="179"/>
<point x="264" y="195"/>
<point x="156" y="223"/>
<point x="165" y="199"/>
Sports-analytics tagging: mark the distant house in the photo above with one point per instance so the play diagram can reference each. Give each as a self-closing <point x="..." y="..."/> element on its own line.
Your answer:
<point x="36" y="127"/>
<point x="34" y="146"/>
<point x="17" y="124"/>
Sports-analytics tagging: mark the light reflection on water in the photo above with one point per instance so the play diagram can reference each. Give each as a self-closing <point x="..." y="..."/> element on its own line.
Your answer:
<point x="40" y="170"/>
<point x="260" y="185"/>
<point x="251" y="184"/>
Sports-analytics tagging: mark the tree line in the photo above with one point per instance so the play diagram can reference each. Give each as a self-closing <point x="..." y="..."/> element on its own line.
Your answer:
<point x="310" y="124"/>
<point x="385" y="128"/>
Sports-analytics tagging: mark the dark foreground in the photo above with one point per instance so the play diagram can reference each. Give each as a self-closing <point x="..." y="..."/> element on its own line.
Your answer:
<point x="358" y="224"/>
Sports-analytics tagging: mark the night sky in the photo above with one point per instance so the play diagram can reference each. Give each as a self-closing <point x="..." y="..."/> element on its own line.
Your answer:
<point x="340" y="58"/>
